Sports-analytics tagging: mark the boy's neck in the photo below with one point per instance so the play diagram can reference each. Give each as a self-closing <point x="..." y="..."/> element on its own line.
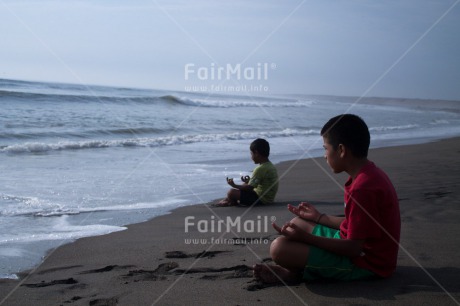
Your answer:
<point x="355" y="166"/>
<point x="263" y="161"/>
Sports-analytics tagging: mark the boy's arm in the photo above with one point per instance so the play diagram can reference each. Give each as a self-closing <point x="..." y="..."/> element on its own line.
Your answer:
<point x="244" y="186"/>
<point x="345" y="247"/>
<point x="308" y="212"/>
<point x="330" y="221"/>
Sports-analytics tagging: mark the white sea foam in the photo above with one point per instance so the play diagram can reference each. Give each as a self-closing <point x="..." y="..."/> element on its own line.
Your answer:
<point x="33" y="206"/>
<point x="241" y="102"/>
<point x="61" y="230"/>
<point x="8" y="276"/>
<point x="34" y="147"/>
<point x="439" y="122"/>
<point x="393" y="128"/>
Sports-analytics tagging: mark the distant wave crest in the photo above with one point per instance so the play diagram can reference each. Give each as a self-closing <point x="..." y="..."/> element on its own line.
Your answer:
<point x="39" y="147"/>
<point x="80" y="97"/>
<point x="149" y="99"/>
<point x="234" y="103"/>
<point x="134" y="131"/>
<point x="393" y="128"/>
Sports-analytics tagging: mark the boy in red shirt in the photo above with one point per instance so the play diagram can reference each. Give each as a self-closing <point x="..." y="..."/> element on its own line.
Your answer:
<point x="361" y="245"/>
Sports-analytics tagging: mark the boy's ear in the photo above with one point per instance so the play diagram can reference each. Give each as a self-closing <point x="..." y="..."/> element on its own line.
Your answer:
<point x="342" y="150"/>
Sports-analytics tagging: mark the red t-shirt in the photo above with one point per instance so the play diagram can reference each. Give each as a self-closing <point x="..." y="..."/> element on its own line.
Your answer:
<point x="372" y="215"/>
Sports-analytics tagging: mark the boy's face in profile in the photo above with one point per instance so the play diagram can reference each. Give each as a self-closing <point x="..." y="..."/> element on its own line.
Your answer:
<point x="332" y="156"/>
<point x="255" y="157"/>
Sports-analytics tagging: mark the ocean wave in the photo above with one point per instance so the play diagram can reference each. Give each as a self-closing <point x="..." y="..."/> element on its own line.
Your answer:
<point x="235" y="103"/>
<point x="393" y="128"/>
<point x="89" y="97"/>
<point x="39" y="147"/>
<point x="439" y="122"/>
<point x="23" y="201"/>
<point x="28" y="206"/>
<point x="27" y="96"/>
<point x="134" y="131"/>
<point x="94" y="97"/>
<point x="9" y="276"/>
<point x="64" y="231"/>
<point x="62" y="97"/>
<point x="35" y="207"/>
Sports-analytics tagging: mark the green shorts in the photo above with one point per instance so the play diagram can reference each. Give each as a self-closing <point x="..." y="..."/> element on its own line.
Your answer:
<point x="323" y="264"/>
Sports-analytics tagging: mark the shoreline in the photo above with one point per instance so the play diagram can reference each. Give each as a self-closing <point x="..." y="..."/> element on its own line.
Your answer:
<point x="16" y="276"/>
<point x="147" y="258"/>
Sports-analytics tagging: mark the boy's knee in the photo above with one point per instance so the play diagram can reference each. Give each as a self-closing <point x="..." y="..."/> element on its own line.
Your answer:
<point x="233" y="194"/>
<point x="297" y="220"/>
<point x="303" y="224"/>
<point x="277" y="247"/>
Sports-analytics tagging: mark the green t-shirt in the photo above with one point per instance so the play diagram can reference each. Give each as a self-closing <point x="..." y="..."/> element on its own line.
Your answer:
<point x="264" y="179"/>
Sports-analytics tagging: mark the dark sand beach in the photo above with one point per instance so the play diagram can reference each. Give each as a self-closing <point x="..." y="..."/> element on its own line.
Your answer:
<point x="156" y="263"/>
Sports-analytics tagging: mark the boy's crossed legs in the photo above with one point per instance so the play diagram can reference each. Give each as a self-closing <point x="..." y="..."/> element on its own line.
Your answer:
<point x="290" y="258"/>
<point x="233" y="196"/>
<point x="239" y="197"/>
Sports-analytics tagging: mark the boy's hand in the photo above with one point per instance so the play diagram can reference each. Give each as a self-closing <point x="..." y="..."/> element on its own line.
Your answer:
<point x="305" y="211"/>
<point x="245" y="179"/>
<point x="231" y="182"/>
<point x="291" y="231"/>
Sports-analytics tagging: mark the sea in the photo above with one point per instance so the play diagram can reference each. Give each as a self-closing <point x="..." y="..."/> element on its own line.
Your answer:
<point x="79" y="160"/>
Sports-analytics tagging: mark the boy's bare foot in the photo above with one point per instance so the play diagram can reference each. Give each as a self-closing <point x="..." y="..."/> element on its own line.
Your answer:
<point x="271" y="274"/>
<point x="223" y="203"/>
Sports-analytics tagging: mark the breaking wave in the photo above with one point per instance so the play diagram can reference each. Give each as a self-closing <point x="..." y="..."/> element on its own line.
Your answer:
<point x="269" y="102"/>
<point x="40" y="147"/>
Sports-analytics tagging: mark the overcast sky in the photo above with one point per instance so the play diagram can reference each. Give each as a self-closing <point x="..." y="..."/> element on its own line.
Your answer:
<point x="393" y="48"/>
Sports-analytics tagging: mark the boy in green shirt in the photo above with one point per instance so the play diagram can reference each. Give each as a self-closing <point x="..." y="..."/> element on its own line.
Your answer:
<point x="261" y="188"/>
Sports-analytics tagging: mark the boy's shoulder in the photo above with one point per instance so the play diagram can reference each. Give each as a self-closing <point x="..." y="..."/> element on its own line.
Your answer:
<point x="371" y="175"/>
<point x="265" y="168"/>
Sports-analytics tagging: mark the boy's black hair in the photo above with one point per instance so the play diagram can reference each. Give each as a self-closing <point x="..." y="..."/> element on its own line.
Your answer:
<point x="350" y="131"/>
<point x="260" y="145"/>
